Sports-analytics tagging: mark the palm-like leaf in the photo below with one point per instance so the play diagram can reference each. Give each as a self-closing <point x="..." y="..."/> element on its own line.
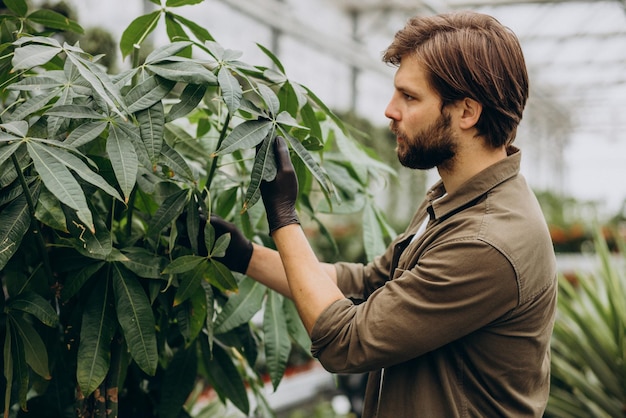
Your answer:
<point x="588" y="358"/>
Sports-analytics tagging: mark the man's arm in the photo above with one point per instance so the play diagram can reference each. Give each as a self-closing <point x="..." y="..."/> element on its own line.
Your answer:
<point x="310" y="284"/>
<point x="266" y="267"/>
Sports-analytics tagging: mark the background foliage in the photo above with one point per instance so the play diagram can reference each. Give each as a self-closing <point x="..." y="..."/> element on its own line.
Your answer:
<point x="113" y="301"/>
<point x="589" y="340"/>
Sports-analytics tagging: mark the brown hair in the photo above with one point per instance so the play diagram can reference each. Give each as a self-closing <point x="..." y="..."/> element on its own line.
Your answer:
<point x="470" y="55"/>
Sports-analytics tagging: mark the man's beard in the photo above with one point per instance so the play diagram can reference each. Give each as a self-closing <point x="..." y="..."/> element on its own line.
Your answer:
<point x="435" y="146"/>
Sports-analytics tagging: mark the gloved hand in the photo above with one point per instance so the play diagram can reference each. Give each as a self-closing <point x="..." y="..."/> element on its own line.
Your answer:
<point x="239" y="251"/>
<point x="279" y="195"/>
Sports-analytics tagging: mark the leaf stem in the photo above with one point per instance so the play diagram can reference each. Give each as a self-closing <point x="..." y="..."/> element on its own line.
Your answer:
<point x="129" y="212"/>
<point x="33" y="221"/>
<point x="213" y="167"/>
<point x="113" y="378"/>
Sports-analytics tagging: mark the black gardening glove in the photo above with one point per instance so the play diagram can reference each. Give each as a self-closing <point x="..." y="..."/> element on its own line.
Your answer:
<point x="279" y="195"/>
<point x="239" y="251"/>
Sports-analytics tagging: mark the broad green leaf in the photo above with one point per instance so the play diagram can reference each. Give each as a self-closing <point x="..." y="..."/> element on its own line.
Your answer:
<point x="270" y="98"/>
<point x="221" y="244"/>
<point x="324" y="108"/>
<point x="183" y="264"/>
<point x="231" y="56"/>
<point x="246" y="135"/>
<point x="103" y="88"/>
<point x="19" y="7"/>
<point x="373" y="239"/>
<point x="295" y="326"/>
<point x="123" y="159"/>
<point x="96" y="333"/>
<point x="240" y="307"/>
<point x="210" y="312"/>
<point x="178" y="3"/>
<point x="200" y="32"/>
<point x="137" y="32"/>
<point x="55" y="20"/>
<point x="74" y="112"/>
<point x="37" y="83"/>
<point x="133" y="133"/>
<point x="167" y="212"/>
<point x="95" y="243"/>
<point x="231" y="89"/>
<point x="285" y="119"/>
<point x="175" y="162"/>
<point x="166" y="51"/>
<point x="15" y="367"/>
<point x="43" y="40"/>
<point x="33" y="55"/>
<point x="272" y="57"/>
<point x="190" y="282"/>
<point x="55" y="123"/>
<point x="6" y="151"/>
<point x="195" y="311"/>
<point x="177" y="383"/>
<point x="49" y="211"/>
<point x="147" y="93"/>
<point x="134" y="314"/>
<point x="185" y="71"/>
<point x="276" y="338"/>
<point x="193" y="223"/>
<point x="220" y="276"/>
<point x="76" y="279"/>
<point x="80" y="168"/>
<point x="289" y="100"/>
<point x="225" y="202"/>
<point x="35" y="305"/>
<point x="224" y="377"/>
<point x="310" y="163"/>
<point x="183" y="141"/>
<point x="18" y="128"/>
<point x="209" y="236"/>
<point x="142" y="262"/>
<point x="34" y="348"/>
<point x="264" y="168"/>
<point x="85" y="133"/>
<point x="176" y="32"/>
<point x="215" y="50"/>
<point x="60" y="182"/>
<point x="151" y="122"/>
<point x="32" y="105"/>
<point x="191" y="96"/>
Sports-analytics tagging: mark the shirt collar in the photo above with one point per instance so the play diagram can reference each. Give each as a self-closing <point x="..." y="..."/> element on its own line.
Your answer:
<point x="440" y="205"/>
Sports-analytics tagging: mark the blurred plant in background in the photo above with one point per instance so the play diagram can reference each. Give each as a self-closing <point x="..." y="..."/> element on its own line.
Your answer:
<point x="589" y="341"/>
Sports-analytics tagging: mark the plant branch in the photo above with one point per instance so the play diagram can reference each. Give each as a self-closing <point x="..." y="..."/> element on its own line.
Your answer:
<point x="219" y="143"/>
<point x="129" y="212"/>
<point x="113" y="378"/>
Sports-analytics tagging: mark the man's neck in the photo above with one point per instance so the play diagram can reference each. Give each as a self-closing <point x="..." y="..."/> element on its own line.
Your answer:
<point x="467" y="164"/>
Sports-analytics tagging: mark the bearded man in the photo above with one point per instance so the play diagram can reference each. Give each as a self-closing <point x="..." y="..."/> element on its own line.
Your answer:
<point x="458" y="312"/>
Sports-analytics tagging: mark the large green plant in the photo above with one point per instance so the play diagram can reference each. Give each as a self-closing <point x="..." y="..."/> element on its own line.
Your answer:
<point x="589" y="341"/>
<point x="113" y="304"/>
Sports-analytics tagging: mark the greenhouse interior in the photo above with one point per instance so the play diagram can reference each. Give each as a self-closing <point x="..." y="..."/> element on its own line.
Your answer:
<point x="123" y="124"/>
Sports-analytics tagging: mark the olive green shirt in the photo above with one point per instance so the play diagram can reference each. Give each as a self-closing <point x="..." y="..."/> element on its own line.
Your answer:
<point x="456" y="322"/>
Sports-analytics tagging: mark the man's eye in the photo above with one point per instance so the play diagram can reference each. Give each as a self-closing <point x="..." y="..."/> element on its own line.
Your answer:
<point x="407" y="96"/>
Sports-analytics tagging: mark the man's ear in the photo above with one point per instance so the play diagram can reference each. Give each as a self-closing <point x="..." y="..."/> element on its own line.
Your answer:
<point x="471" y="111"/>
